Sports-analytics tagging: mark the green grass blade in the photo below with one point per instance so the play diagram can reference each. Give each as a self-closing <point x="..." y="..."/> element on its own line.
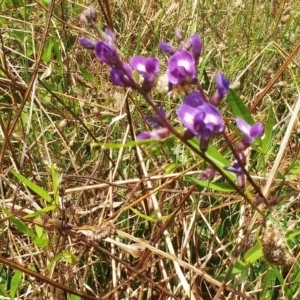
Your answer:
<point x="34" y="187"/>
<point x="215" y="186"/>
<point x="22" y="227"/>
<point x="41" y="211"/>
<point x="15" y="283"/>
<point x="238" y="107"/>
<point x="254" y="253"/>
<point x="266" y="142"/>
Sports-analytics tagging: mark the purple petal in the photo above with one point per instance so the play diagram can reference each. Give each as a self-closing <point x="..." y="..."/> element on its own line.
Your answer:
<point x="144" y="136"/>
<point x="187" y="114"/>
<point x="196" y="45"/>
<point x="207" y="173"/>
<point x="250" y="132"/>
<point x="208" y="121"/>
<point x="213" y="117"/>
<point x="147" y="67"/>
<point x="199" y="126"/>
<point x="87" y="43"/>
<point x="155" y="120"/>
<point x="194" y="99"/>
<point x="235" y="168"/>
<point x="107" y="53"/>
<point x="204" y="141"/>
<point x="181" y="67"/>
<point x="178" y="35"/>
<point x="110" y="36"/>
<point x="152" y="65"/>
<point x="155" y="134"/>
<point x="166" y="48"/>
<point x="222" y="84"/>
<point x="256" y="130"/>
<point x="243" y="126"/>
<point x="120" y="76"/>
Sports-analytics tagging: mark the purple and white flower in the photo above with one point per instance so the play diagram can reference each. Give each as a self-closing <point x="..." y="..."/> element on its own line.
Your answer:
<point x="200" y="118"/>
<point x="156" y="134"/>
<point x="249" y="132"/>
<point x="181" y="67"/>
<point x="148" y="68"/>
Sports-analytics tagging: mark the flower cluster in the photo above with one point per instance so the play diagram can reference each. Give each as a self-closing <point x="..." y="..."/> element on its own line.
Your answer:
<point x="198" y="113"/>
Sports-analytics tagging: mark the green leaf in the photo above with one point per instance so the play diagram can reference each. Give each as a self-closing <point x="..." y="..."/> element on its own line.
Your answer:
<point x="238" y="107"/>
<point x="266" y="142"/>
<point x="47" y="54"/>
<point x="287" y="290"/>
<point x="150" y="219"/>
<point x="74" y="297"/>
<point x="40" y="231"/>
<point x="3" y="292"/>
<point x="145" y="217"/>
<point x="171" y="167"/>
<point x="87" y="75"/>
<point x="15" y="283"/>
<point x="45" y="2"/>
<point x="215" y="186"/>
<point x="254" y="253"/>
<point x="216" y="156"/>
<point x="294" y="169"/>
<point x="238" y="268"/>
<point x="278" y="274"/>
<point x="268" y="281"/>
<point x="219" y="160"/>
<point x="55" y="183"/>
<point x="34" y="187"/>
<point x="292" y="234"/>
<point x="41" y="211"/>
<point x="23" y="227"/>
<point x="40" y="242"/>
<point x="67" y="255"/>
<point x="295" y="277"/>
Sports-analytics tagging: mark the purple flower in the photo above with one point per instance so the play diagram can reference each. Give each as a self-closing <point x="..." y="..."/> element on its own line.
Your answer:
<point x="222" y="84"/>
<point x="178" y="35"/>
<point x="222" y="89"/>
<point x="89" y="16"/>
<point x="207" y="173"/>
<point x="194" y="42"/>
<point x="181" y="67"/>
<point x="107" y="53"/>
<point x="157" y="134"/>
<point x="87" y="43"/>
<point x="166" y="48"/>
<point x="200" y="118"/>
<point x="147" y="67"/>
<point x="237" y="169"/>
<point x="250" y="132"/>
<point x="156" y="120"/>
<point x="109" y="37"/>
<point x="122" y="76"/>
